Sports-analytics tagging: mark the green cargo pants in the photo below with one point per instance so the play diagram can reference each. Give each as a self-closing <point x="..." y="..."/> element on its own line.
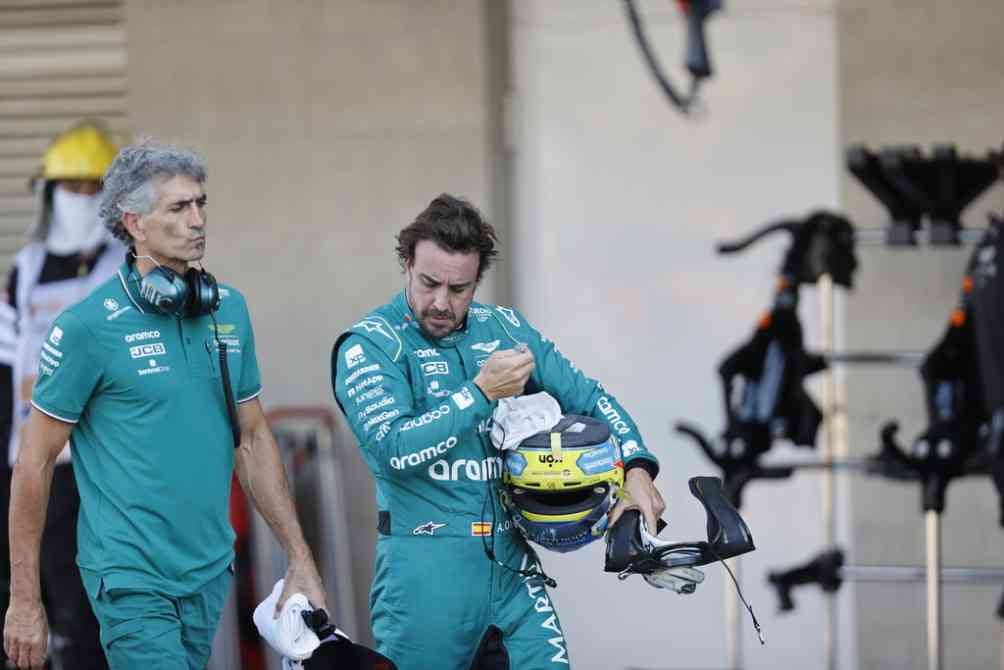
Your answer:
<point x="151" y="631"/>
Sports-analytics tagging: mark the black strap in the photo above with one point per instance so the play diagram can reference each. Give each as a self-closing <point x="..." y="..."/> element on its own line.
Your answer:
<point x="228" y="393"/>
<point x="383" y="522"/>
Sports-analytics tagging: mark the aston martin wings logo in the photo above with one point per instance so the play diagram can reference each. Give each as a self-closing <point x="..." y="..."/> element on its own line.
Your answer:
<point x="487" y="347"/>
<point x="428" y="528"/>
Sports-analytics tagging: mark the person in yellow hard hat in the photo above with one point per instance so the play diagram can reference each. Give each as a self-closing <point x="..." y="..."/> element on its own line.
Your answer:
<point x="68" y="253"/>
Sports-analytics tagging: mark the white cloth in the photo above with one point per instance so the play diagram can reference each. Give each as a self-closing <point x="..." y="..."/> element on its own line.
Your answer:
<point x="516" y="419"/>
<point x="288" y="634"/>
<point x="680" y="579"/>
<point x="75" y="226"/>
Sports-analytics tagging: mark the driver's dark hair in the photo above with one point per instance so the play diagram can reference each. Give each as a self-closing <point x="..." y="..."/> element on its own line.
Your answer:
<point x="455" y="225"/>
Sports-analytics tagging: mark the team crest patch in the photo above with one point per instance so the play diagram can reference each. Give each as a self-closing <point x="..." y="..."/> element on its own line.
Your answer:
<point x="111" y="304"/>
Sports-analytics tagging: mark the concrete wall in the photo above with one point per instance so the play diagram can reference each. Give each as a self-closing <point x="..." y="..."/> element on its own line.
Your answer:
<point x="328" y="127"/>
<point x="619" y="201"/>
<point x="918" y="72"/>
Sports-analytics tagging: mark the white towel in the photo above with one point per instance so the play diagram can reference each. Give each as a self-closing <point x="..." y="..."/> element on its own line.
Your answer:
<point x="516" y="419"/>
<point x="289" y="634"/>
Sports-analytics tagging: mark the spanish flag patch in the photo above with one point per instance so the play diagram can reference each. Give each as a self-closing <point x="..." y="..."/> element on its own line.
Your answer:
<point x="481" y="528"/>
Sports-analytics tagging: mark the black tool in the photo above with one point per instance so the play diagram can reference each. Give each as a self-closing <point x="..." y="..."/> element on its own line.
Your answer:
<point x="696" y="56"/>
<point x="728" y="536"/>
<point x="337" y="652"/>
<point x="915" y="187"/>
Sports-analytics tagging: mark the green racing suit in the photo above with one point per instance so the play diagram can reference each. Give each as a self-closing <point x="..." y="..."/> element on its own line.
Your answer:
<point x="438" y="600"/>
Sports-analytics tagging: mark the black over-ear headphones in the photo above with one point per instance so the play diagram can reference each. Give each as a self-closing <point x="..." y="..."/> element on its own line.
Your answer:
<point x="194" y="293"/>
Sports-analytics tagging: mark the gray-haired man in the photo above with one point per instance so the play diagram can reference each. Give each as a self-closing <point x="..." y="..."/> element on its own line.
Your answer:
<point x="150" y="377"/>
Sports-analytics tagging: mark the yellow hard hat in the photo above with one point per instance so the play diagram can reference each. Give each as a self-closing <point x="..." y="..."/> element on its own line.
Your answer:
<point x="83" y="152"/>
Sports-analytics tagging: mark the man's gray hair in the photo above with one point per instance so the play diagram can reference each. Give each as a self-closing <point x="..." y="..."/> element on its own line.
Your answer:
<point x="129" y="184"/>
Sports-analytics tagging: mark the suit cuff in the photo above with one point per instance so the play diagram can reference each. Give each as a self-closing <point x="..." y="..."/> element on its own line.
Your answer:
<point x="649" y="466"/>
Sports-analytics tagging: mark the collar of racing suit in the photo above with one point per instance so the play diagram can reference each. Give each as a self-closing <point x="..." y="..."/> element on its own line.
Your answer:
<point x="410" y="320"/>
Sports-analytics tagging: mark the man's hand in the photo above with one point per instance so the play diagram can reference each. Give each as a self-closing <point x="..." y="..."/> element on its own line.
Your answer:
<point x="302" y="577"/>
<point x="26" y="629"/>
<point x="504" y="374"/>
<point x="640" y="493"/>
<point x="26" y="634"/>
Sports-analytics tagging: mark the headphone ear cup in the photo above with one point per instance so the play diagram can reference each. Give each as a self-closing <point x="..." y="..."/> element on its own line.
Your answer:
<point x="205" y="294"/>
<point x="165" y="290"/>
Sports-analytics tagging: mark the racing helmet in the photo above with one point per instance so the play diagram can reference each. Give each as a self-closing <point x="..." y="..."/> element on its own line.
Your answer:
<point x="82" y="152"/>
<point x="561" y="484"/>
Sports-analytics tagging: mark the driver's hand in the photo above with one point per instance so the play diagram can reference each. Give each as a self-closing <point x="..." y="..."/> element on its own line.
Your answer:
<point x="505" y="373"/>
<point x="681" y="580"/>
<point x="640" y="493"/>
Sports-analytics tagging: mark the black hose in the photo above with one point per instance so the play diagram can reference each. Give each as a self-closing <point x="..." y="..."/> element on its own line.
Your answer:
<point x="683" y="103"/>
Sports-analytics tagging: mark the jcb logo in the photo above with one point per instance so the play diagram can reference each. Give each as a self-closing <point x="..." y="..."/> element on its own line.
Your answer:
<point x="548" y="458"/>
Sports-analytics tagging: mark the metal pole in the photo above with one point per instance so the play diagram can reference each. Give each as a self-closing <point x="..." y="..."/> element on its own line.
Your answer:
<point x="827" y="311"/>
<point x="733" y="622"/>
<point x="905" y="358"/>
<point x="935" y="650"/>
<point x="917" y="573"/>
<point x="862" y="464"/>
<point x="876" y="237"/>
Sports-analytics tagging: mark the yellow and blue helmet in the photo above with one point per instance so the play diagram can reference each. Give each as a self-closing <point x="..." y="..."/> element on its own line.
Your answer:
<point x="561" y="484"/>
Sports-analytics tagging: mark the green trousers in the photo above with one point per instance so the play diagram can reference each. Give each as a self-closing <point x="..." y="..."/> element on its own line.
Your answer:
<point x="439" y="602"/>
<point x="145" y="630"/>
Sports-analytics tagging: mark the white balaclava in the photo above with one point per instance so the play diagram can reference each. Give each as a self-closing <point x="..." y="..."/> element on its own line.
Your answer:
<point x="74" y="225"/>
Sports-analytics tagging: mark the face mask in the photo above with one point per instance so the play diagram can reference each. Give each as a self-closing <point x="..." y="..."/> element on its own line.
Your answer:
<point x="74" y="224"/>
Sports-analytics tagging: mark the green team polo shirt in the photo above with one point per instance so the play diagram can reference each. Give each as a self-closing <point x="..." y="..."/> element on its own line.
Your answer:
<point x="152" y="445"/>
